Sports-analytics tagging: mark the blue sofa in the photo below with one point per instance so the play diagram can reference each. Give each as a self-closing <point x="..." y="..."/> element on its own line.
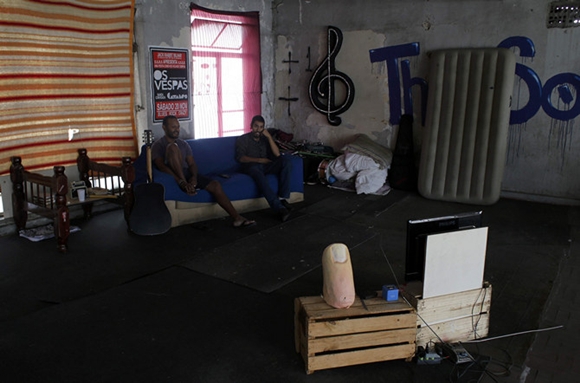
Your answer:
<point x="214" y="157"/>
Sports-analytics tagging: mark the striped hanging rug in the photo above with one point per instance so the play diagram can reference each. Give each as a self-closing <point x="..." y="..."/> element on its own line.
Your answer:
<point x="66" y="81"/>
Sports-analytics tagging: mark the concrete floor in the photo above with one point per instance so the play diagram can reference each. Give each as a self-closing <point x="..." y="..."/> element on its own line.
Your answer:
<point x="123" y="308"/>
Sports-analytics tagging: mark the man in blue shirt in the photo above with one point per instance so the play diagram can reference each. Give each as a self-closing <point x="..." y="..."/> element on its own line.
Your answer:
<point x="259" y="155"/>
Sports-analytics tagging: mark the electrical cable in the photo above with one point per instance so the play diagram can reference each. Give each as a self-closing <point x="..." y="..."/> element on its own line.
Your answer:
<point x="514" y="334"/>
<point x="424" y="321"/>
<point x="399" y="286"/>
<point x="507" y="366"/>
<point x="482" y="303"/>
<point x="388" y="263"/>
<point x="474" y="321"/>
<point x="484" y="366"/>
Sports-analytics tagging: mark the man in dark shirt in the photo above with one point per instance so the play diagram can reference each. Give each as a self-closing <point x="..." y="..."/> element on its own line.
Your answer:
<point x="259" y="156"/>
<point x="172" y="155"/>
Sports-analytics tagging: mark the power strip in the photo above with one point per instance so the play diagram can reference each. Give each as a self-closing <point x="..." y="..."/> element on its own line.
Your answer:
<point x="427" y="356"/>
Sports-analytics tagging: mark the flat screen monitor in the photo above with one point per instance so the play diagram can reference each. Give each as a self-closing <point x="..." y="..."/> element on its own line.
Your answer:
<point x="419" y="229"/>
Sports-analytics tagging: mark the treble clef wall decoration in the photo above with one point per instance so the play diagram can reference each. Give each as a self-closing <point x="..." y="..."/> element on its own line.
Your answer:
<point x="322" y="90"/>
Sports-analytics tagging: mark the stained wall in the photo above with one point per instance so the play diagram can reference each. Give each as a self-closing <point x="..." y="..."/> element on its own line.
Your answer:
<point x="543" y="156"/>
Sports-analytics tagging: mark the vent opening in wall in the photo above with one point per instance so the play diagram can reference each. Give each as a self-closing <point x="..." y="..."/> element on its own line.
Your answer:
<point x="564" y="14"/>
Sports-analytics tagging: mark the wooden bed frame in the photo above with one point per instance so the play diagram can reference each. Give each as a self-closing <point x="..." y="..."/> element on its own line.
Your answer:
<point x="48" y="196"/>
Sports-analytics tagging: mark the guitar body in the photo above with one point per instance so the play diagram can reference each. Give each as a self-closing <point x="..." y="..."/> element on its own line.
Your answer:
<point x="150" y="215"/>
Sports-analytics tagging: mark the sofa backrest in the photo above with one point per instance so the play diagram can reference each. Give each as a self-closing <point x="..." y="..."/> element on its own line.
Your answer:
<point x="212" y="156"/>
<point x="215" y="155"/>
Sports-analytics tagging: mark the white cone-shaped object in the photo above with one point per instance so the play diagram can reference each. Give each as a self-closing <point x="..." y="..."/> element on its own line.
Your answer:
<point x="338" y="283"/>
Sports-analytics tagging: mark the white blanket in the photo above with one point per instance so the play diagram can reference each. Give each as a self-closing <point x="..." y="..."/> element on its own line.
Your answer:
<point x="367" y="174"/>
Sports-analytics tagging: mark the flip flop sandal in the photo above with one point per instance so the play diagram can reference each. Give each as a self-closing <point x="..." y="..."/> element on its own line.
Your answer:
<point x="246" y="223"/>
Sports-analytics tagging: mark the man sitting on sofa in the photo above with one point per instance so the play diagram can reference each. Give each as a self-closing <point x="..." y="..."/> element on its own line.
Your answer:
<point x="259" y="155"/>
<point x="172" y="155"/>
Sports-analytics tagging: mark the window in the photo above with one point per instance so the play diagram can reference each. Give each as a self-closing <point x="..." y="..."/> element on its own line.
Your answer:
<point x="226" y="72"/>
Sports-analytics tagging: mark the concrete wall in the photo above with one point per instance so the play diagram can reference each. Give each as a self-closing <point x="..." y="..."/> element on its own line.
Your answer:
<point x="166" y="23"/>
<point x="542" y="156"/>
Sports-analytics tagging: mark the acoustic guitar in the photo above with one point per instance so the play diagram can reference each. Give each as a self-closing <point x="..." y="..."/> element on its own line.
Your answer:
<point x="150" y="215"/>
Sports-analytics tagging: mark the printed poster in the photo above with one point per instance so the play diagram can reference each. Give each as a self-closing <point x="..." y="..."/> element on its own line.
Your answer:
<point x="170" y="82"/>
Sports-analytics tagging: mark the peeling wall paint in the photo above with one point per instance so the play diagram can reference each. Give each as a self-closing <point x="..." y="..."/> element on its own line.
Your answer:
<point x="543" y="149"/>
<point x="166" y="23"/>
<point x="541" y="155"/>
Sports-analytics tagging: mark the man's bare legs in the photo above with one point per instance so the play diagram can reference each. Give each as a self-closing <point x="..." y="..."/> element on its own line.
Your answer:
<point x="174" y="161"/>
<point x="215" y="188"/>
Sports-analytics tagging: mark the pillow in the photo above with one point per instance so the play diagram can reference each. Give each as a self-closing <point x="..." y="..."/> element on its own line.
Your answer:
<point x="365" y="146"/>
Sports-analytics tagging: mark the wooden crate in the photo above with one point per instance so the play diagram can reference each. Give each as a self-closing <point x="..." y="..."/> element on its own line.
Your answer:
<point x="378" y="331"/>
<point x="454" y="317"/>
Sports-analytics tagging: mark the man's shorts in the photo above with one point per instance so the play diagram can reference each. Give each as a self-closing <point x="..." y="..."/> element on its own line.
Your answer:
<point x="202" y="181"/>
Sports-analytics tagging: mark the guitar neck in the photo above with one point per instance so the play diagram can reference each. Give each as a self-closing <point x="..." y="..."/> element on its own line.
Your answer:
<point x="148" y="139"/>
<point x="149" y="165"/>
